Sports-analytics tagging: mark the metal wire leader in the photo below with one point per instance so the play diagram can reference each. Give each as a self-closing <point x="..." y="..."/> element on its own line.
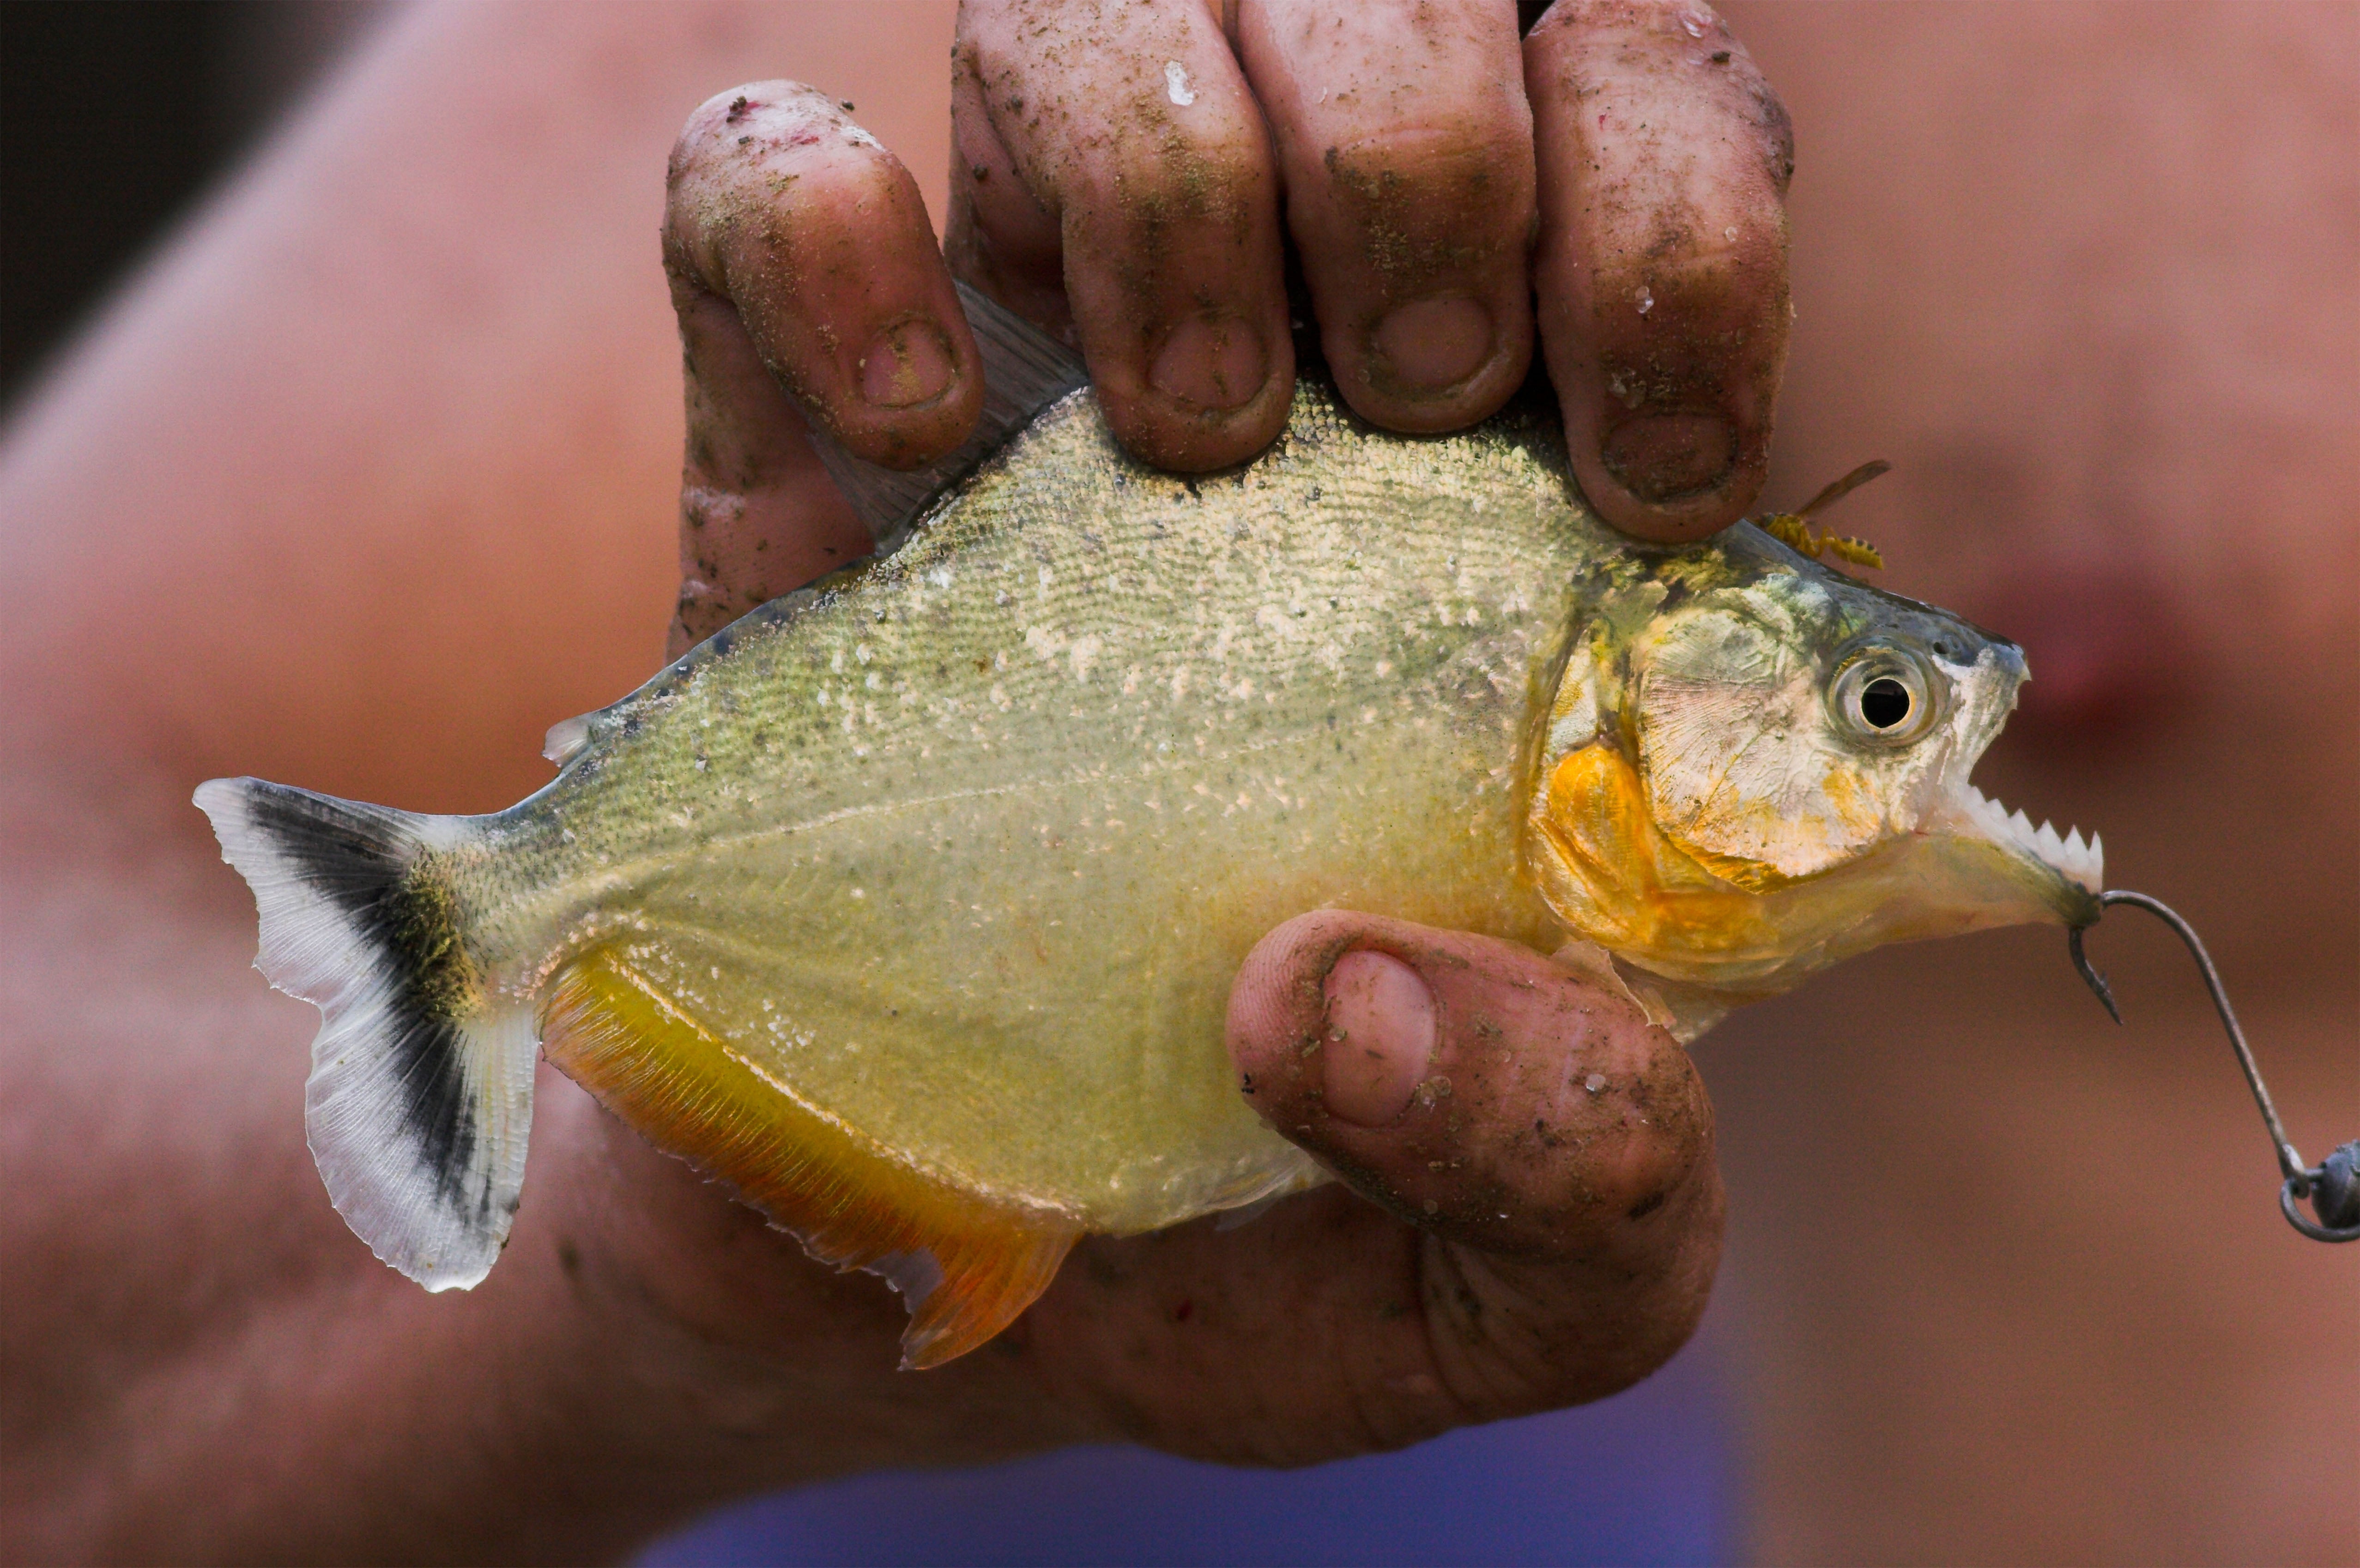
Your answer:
<point x="2332" y="1185"/>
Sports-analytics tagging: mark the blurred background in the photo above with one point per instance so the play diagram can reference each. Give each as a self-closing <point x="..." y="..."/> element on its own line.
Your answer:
<point x="2000" y="1273"/>
<point x="114" y="119"/>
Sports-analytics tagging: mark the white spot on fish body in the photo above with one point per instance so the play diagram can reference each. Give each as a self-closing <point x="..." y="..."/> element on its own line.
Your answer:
<point x="1645" y="298"/>
<point x="1176" y="83"/>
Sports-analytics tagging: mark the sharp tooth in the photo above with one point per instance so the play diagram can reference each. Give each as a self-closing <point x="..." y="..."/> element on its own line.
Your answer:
<point x="2020" y="825"/>
<point x="2052" y="848"/>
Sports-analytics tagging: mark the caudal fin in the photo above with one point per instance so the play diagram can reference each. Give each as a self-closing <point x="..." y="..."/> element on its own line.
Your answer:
<point x="421" y="1094"/>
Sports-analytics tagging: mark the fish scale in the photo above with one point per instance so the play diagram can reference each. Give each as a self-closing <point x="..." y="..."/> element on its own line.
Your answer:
<point x="1037" y="783"/>
<point x="908" y="906"/>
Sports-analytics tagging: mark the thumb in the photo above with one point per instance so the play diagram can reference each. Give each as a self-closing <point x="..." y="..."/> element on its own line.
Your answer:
<point x="1492" y="1097"/>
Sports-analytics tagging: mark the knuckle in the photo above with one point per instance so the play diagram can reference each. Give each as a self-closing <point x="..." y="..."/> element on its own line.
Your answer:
<point x="1591" y="1141"/>
<point x="742" y="152"/>
<point x="1432" y="201"/>
<point x="1214" y="177"/>
<point x="720" y="119"/>
<point x="1665" y="1144"/>
<point x="1681" y="57"/>
<point x="1691" y="20"/>
<point x="1221" y="185"/>
<point x="1692" y="289"/>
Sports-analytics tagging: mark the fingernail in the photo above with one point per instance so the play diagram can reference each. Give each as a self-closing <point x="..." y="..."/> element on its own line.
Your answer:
<point x="1210" y="360"/>
<point x="1428" y="344"/>
<point x="1667" y="457"/>
<point x="908" y="363"/>
<point x="1380" y="1037"/>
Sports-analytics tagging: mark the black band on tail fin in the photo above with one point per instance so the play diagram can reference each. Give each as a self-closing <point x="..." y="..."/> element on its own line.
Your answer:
<point x="419" y="1099"/>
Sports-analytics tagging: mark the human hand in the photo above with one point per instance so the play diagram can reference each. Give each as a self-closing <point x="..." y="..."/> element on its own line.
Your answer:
<point x="1118" y="173"/>
<point x="1628" y="171"/>
<point x="1531" y="1218"/>
<point x="1532" y="1241"/>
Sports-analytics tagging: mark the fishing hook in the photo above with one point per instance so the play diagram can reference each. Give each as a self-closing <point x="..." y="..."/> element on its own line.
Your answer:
<point x="2333" y="1184"/>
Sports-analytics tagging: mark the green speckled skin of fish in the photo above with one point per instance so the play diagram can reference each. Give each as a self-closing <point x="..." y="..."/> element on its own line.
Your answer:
<point x="909" y="905"/>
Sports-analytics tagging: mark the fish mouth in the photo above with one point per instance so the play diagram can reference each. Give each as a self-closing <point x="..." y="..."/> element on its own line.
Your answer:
<point x="2061" y="872"/>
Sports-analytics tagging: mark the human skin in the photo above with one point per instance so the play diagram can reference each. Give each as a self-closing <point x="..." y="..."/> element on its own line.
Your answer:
<point x="2014" y="1288"/>
<point x="1124" y="175"/>
<point x="177" y="1288"/>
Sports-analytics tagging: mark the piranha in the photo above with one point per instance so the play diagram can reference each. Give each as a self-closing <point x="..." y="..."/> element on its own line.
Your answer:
<point x="908" y="905"/>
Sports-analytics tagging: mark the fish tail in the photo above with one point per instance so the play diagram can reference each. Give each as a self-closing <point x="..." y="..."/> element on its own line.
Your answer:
<point x="419" y="1099"/>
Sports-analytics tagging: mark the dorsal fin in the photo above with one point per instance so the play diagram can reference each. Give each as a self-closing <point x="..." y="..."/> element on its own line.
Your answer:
<point x="1024" y="370"/>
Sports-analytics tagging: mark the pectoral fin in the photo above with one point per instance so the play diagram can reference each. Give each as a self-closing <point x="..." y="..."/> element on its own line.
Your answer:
<point x="965" y="1264"/>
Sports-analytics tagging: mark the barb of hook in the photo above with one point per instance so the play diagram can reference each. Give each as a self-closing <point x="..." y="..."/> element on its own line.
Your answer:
<point x="2332" y="1186"/>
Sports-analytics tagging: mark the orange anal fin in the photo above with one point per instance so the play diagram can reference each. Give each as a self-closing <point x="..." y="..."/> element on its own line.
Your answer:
<point x="965" y="1264"/>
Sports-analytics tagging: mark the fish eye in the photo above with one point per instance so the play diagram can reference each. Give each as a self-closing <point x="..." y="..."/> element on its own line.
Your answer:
<point x="1884" y="703"/>
<point x="1884" y="695"/>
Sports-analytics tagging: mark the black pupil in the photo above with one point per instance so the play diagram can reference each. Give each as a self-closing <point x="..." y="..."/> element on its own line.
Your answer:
<point x="1884" y="703"/>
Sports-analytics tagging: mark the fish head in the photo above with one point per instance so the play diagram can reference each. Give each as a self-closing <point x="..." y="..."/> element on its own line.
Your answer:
<point x="1765" y="768"/>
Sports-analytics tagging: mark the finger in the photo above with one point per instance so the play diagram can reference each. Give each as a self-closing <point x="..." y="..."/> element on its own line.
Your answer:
<point x="999" y="239"/>
<point x="758" y="516"/>
<point x="1134" y="127"/>
<point x="1551" y="1152"/>
<point x="1664" y="159"/>
<point x="817" y="239"/>
<point x="1406" y="149"/>
<point x="1555" y="1148"/>
<point x="1471" y="1086"/>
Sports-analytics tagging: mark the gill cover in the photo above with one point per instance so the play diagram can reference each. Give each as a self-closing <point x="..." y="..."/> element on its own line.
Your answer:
<point x="1755" y="767"/>
<point x="1757" y="760"/>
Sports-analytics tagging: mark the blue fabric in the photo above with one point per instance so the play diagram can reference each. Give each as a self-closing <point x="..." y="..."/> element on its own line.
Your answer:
<point x="1648" y="1477"/>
